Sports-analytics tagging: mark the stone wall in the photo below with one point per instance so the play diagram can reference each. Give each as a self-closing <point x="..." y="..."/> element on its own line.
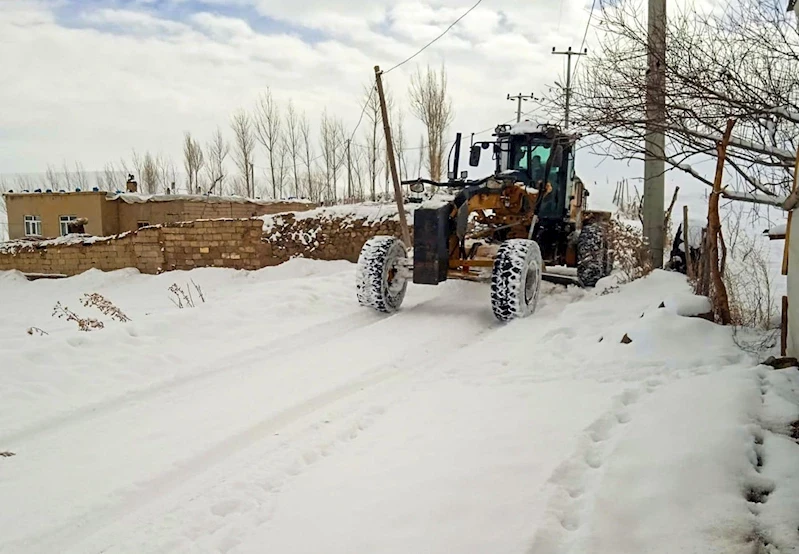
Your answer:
<point x="324" y="234"/>
<point x="234" y="243"/>
<point x="327" y="238"/>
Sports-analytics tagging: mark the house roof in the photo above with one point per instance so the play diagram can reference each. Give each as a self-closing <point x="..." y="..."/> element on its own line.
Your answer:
<point x="135" y="198"/>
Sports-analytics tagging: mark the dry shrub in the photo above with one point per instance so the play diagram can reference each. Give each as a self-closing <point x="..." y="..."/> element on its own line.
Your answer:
<point x="182" y="298"/>
<point x="37" y="331"/>
<point x="629" y="251"/>
<point x="104" y="305"/>
<point x="84" y="323"/>
<point x="749" y="285"/>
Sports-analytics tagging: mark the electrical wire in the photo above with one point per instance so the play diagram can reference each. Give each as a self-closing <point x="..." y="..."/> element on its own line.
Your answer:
<point x="426" y="46"/>
<point x="585" y="34"/>
<point x="363" y="111"/>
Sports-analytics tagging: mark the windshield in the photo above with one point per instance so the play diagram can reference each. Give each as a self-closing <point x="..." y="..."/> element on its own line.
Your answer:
<point x="538" y="157"/>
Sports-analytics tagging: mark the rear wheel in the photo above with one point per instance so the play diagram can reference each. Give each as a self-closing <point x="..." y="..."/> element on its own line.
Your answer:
<point x="380" y="279"/>
<point x="594" y="260"/>
<point x="516" y="279"/>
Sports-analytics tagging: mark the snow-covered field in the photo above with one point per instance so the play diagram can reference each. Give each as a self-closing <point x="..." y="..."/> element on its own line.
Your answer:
<point x="278" y="416"/>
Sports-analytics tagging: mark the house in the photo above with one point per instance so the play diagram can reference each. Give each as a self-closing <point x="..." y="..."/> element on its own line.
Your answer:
<point x="48" y="214"/>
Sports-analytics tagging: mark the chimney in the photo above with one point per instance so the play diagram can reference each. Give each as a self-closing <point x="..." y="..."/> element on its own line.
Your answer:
<point x="131" y="185"/>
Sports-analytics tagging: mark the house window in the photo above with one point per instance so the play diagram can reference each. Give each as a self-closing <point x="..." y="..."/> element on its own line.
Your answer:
<point x="33" y="225"/>
<point x="63" y="223"/>
<point x="143" y="224"/>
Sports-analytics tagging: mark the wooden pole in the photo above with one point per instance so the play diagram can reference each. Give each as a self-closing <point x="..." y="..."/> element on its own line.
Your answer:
<point x="689" y="269"/>
<point x="721" y="299"/>
<point x="392" y="162"/>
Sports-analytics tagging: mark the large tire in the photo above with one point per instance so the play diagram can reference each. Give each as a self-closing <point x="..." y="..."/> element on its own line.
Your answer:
<point x="516" y="279"/>
<point x="379" y="283"/>
<point x="593" y="258"/>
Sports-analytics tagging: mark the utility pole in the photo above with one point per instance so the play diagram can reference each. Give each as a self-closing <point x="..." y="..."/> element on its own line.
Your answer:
<point x="519" y="98"/>
<point x="392" y="162"/>
<point x="569" y="53"/>
<point x="349" y="172"/>
<point x="654" y="165"/>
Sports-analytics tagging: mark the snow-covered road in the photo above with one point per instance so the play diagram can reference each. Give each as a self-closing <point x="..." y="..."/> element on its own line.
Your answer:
<point x="278" y="416"/>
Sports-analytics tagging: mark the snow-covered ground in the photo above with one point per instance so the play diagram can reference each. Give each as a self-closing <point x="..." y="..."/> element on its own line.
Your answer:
<point x="278" y="416"/>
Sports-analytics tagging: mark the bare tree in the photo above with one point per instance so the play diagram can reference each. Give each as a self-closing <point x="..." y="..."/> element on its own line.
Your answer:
<point x="67" y="177"/>
<point x="339" y="152"/>
<point x="138" y="166"/>
<point x="244" y="143"/>
<point x="400" y="143"/>
<point x="110" y="179"/>
<point x="167" y="174"/>
<point x="430" y="104"/>
<point x="81" y="178"/>
<point x="358" y="171"/>
<point x="268" y="130"/>
<point x="327" y="142"/>
<point x="52" y="179"/>
<point x="150" y="175"/>
<point x="374" y="134"/>
<point x="283" y="162"/>
<point x="218" y="150"/>
<point x="193" y="162"/>
<point x="293" y="141"/>
<point x="742" y="63"/>
<point x="307" y="156"/>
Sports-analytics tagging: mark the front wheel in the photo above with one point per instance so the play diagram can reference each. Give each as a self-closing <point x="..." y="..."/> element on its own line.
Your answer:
<point x="380" y="280"/>
<point x="516" y="279"/>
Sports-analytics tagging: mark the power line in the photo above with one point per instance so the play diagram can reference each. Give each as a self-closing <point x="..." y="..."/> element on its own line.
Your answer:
<point x="363" y="111"/>
<point x="585" y="34"/>
<point x="426" y="46"/>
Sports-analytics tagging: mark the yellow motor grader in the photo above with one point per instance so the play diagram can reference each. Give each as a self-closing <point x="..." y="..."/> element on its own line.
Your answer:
<point x="507" y="227"/>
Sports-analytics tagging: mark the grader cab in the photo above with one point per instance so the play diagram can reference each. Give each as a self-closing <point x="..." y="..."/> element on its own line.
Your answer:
<point x="506" y="228"/>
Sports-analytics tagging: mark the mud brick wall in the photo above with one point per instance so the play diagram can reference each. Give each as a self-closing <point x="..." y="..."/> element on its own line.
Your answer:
<point x="234" y="243"/>
<point x="326" y="239"/>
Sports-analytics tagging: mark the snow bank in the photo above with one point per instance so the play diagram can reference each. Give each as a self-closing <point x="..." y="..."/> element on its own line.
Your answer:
<point x="688" y="305"/>
<point x="279" y="406"/>
<point x="370" y="213"/>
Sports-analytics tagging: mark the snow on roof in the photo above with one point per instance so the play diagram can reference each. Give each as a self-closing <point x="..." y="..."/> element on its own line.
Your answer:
<point x="523" y="127"/>
<point x="13" y="246"/>
<point x="135" y="198"/>
<point x="778" y="230"/>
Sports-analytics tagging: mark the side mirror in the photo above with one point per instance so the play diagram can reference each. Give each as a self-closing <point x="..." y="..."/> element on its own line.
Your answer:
<point x="474" y="155"/>
<point x="557" y="156"/>
<point x="417" y="187"/>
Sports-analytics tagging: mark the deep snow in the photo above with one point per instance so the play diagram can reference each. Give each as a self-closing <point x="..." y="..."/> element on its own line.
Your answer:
<point x="278" y="416"/>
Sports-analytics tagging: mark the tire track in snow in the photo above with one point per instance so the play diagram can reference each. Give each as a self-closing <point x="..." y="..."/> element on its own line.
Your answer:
<point x="322" y="333"/>
<point x="220" y="522"/>
<point x="424" y="355"/>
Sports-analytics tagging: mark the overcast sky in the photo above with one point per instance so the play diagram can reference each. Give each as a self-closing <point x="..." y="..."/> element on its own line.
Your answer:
<point x="90" y="80"/>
